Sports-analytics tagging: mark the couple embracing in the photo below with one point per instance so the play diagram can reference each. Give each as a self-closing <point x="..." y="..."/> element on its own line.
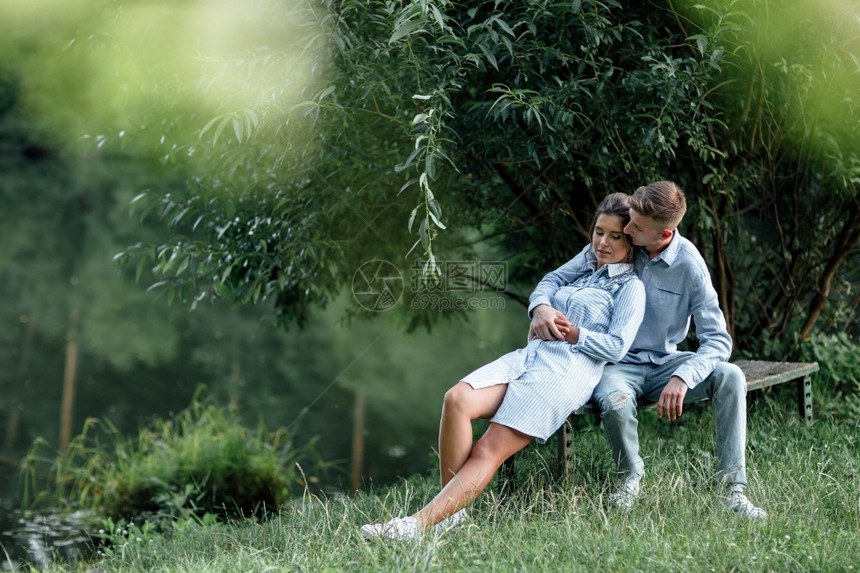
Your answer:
<point x="606" y="326"/>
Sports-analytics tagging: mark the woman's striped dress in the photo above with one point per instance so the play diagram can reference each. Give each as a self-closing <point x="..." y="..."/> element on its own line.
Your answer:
<point x="547" y="380"/>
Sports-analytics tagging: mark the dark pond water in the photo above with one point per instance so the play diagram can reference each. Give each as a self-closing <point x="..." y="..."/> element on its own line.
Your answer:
<point x="34" y="538"/>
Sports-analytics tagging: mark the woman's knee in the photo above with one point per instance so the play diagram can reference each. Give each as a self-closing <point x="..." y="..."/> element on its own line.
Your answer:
<point x="458" y="397"/>
<point x="462" y="399"/>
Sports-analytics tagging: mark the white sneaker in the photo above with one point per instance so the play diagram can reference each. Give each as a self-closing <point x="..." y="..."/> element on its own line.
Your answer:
<point x="626" y="494"/>
<point x="450" y="522"/>
<point x="399" y="529"/>
<point x="738" y="503"/>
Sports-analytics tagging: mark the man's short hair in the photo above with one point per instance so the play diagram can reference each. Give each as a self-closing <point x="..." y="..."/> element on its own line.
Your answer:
<point x="663" y="201"/>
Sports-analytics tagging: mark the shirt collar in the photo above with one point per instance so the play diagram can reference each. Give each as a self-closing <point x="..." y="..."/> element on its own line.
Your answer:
<point x="612" y="269"/>
<point x="615" y="269"/>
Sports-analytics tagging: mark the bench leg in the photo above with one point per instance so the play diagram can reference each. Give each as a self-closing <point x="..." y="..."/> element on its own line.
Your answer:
<point x="507" y="477"/>
<point x="565" y="447"/>
<point x="804" y="398"/>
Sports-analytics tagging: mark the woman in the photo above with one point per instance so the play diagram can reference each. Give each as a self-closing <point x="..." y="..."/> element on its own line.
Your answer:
<point x="528" y="394"/>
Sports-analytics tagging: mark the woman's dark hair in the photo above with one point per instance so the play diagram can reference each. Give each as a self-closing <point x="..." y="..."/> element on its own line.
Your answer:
<point x="617" y="204"/>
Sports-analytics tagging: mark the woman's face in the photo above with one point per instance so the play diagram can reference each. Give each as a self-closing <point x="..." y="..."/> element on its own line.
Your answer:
<point x="608" y="240"/>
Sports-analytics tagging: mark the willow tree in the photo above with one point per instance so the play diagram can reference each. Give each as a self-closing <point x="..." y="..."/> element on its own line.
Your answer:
<point x="436" y="130"/>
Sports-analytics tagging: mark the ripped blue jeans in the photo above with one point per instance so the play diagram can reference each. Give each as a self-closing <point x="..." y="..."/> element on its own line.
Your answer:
<point x="623" y="384"/>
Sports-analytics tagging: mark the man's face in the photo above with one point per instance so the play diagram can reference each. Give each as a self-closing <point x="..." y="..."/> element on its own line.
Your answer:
<point x="644" y="231"/>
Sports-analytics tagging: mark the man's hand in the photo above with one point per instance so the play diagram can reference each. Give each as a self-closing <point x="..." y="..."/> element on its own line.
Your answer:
<point x="548" y="324"/>
<point x="671" y="402"/>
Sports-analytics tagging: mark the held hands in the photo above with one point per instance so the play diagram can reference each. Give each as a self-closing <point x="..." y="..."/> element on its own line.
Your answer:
<point x="572" y="335"/>
<point x="671" y="402"/>
<point x="550" y="324"/>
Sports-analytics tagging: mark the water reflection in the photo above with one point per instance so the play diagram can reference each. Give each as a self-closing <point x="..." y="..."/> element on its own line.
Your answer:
<point x="48" y="537"/>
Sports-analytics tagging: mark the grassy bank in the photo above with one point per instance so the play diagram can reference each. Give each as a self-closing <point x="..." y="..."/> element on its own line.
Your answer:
<point x="808" y="478"/>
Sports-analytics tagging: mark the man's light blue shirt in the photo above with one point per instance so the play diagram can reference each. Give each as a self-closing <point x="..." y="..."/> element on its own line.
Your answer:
<point x="677" y="288"/>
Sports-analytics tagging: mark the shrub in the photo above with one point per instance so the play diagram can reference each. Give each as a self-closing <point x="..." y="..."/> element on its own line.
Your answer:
<point x="198" y="462"/>
<point x="838" y="356"/>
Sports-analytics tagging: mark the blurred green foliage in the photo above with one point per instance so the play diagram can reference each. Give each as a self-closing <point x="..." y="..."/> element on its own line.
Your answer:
<point x="64" y="216"/>
<point x="203" y="460"/>
<point x="502" y="125"/>
<point x="269" y="152"/>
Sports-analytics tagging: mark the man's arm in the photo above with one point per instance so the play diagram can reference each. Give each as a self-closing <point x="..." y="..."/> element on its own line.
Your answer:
<point x="563" y="275"/>
<point x="715" y="346"/>
<point x="548" y="323"/>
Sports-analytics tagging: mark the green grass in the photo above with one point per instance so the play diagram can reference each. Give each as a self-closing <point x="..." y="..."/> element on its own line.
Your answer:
<point x="808" y="478"/>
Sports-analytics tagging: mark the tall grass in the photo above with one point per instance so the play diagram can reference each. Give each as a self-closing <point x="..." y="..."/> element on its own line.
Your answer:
<point x="808" y="478"/>
<point x="201" y="461"/>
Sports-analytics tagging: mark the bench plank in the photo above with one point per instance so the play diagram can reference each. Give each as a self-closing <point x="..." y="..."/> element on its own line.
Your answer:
<point x="759" y="374"/>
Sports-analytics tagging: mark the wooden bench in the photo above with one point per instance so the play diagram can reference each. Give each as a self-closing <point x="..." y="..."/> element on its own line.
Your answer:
<point x="759" y="374"/>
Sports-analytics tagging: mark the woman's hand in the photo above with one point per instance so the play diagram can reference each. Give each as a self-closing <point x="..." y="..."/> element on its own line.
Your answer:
<point x="548" y="324"/>
<point x="572" y="334"/>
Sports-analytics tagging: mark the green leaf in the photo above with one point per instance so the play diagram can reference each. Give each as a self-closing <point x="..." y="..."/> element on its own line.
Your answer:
<point x="253" y="117"/>
<point x="182" y="266"/>
<point x="504" y="26"/>
<point x="403" y="30"/>
<point x="418" y="242"/>
<point x="137" y="198"/>
<point x="435" y="208"/>
<point x="440" y="21"/>
<point x="209" y="124"/>
<point x="423" y="234"/>
<point x="238" y="129"/>
<point x="326" y="92"/>
<point x="224" y="121"/>
<point x="226" y="273"/>
<point x="412" y="217"/>
<point x="437" y="221"/>
<point x="407" y="185"/>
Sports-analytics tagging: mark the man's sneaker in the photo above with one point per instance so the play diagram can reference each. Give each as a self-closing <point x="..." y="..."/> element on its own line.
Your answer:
<point x="399" y="529"/>
<point x="450" y="522"/>
<point x="626" y="493"/>
<point x="738" y="503"/>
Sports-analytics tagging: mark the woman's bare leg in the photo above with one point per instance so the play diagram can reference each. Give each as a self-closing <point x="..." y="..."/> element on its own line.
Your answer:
<point x="463" y="404"/>
<point x="497" y="445"/>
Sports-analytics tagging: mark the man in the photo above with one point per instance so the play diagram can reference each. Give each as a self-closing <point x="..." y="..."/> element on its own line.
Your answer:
<point x="678" y="287"/>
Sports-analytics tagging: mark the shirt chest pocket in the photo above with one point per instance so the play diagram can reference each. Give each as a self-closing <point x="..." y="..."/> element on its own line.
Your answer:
<point x="665" y="297"/>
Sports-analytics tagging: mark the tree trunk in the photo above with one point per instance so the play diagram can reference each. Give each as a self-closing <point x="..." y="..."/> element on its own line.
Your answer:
<point x="357" y="442"/>
<point x="724" y="276"/>
<point x="69" y="382"/>
<point x="845" y="241"/>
